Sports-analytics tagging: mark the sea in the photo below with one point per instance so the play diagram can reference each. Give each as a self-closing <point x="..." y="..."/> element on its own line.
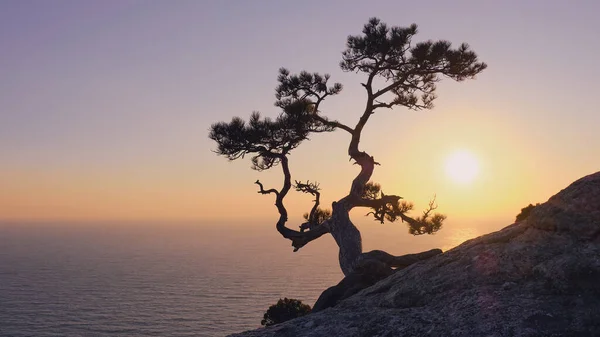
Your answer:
<point x="192" y="279"/>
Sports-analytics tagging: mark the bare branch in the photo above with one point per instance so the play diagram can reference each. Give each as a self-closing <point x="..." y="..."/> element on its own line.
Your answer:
<point x="263" y="191"/>
<point x="432" y="206"/>
<point x="311" y="188"/>
<point x="334" y="124"/>
<point x="308" y="187"/>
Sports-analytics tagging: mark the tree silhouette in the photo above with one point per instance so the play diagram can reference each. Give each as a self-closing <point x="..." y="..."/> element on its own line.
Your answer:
<point x="398" y="73"/>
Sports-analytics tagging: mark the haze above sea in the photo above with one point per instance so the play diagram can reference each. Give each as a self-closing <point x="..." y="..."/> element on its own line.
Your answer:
<point x="169" y="279"/>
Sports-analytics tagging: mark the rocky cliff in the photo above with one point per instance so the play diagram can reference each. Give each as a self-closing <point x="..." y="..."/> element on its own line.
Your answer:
<point x="537" y="277"/>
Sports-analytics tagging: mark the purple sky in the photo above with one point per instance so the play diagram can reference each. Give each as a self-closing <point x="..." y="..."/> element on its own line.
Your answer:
<point x="105" y="106"/>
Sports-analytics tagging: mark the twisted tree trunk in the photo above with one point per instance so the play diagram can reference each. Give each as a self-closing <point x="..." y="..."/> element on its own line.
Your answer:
<point x="346" y="235"/>
<point x="344" y="232"/>
<point x="339" y="225"/>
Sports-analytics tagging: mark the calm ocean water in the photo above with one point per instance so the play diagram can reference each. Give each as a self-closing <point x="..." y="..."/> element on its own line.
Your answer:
<point x="203" y="280"/>
<point x="169" y="281"/>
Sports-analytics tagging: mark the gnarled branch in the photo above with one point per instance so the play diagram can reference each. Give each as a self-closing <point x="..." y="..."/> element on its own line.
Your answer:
<point x="263" y="191"/>
<point x="313" y="189"/>
<point x="299" y="238"/>
<point x="334" y="124"/>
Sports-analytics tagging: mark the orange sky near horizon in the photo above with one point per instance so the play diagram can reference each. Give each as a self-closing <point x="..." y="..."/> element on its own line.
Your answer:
<point x="508" y="179"/>
<point x="105" y="116"/>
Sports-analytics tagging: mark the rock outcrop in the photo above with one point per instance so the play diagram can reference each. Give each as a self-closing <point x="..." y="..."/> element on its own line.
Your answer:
<point x="364" y="275"/>
<point x="537" y="277"/>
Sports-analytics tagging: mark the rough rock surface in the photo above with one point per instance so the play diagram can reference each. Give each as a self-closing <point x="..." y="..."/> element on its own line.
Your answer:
<point x="362" y="277"/>
<point x="538" y="277"/>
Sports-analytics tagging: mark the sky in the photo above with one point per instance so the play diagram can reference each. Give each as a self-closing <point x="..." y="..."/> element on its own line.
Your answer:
<point x="105" y="107"/>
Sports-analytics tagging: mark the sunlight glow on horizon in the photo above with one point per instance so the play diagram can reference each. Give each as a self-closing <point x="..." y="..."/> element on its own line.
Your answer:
<point x="106" y="107"/>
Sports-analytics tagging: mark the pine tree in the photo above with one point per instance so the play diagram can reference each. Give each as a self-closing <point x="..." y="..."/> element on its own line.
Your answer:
<point x="399" y="72"/>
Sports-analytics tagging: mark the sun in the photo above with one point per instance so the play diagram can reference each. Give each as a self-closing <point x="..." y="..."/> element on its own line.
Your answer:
<point x="462" y="167"/>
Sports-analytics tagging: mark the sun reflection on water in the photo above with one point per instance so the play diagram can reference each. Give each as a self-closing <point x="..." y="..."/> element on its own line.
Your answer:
<point x="458" y="236"/>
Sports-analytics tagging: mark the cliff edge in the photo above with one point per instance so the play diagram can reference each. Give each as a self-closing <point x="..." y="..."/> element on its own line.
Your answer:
<point x="537" y="277"/>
